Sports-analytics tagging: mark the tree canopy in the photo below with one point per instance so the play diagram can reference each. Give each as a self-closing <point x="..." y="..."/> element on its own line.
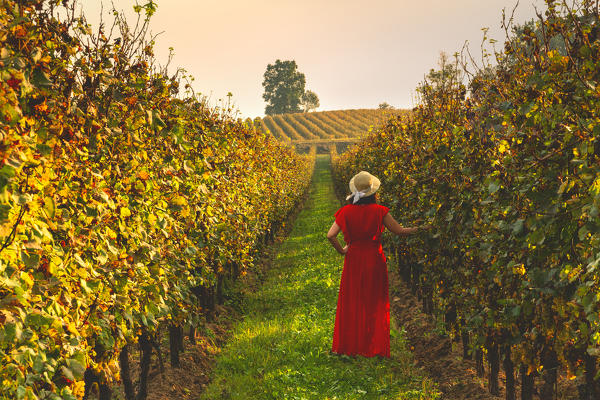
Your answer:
<point x="284" y="87"/>
<point x="310" y="101"/>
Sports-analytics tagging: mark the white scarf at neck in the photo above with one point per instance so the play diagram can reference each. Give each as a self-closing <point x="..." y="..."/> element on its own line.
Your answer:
<point x="358" y="195"/>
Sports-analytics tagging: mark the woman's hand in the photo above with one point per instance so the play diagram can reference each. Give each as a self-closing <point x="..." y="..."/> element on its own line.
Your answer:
<point x="345" y="250"/>
<point x="390" y="223"/>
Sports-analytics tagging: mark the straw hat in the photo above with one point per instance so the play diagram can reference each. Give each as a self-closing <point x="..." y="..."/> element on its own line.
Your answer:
<point x="362" y="185"/>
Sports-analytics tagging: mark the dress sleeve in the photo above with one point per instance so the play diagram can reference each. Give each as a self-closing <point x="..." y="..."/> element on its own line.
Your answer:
<point x="340" y="218"/>
<point x="384" y="210"/>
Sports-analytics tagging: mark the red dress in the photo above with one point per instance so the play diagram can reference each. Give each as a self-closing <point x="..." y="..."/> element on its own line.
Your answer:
<point x="362" y="320"/>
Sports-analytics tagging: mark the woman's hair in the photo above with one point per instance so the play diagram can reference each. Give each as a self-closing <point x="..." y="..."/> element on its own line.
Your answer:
<point x="372" y="199"/>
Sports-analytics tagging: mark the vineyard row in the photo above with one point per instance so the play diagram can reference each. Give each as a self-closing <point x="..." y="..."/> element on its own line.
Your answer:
<point x="126" y="203"/>
<point x="506" y="168"/>
<point x="323" y="124"/>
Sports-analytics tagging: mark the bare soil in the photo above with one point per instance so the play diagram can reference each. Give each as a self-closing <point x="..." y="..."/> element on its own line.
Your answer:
<point x="441" y="358"/>
<point x="197" y="360"/>
<point x="436" y="354"/>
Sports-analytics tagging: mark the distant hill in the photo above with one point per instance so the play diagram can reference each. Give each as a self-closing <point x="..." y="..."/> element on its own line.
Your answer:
<point x="323" y="125"/>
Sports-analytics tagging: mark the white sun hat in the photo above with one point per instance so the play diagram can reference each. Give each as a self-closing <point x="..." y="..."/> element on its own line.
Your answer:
<point x="362" y="185"/>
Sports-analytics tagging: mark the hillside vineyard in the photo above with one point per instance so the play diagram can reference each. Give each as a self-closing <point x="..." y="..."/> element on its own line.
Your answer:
<point x="341" y="124"/>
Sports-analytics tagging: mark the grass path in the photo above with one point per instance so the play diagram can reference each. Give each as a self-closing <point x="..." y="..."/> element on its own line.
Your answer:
<point x="281" y="348"/>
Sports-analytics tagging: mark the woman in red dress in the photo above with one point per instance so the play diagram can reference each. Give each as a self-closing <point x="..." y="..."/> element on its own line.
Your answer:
<point x="362" y="321"/>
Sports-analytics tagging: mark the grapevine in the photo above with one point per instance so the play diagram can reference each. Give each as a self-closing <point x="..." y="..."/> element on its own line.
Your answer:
<point x="125" y="201"/>
<point x="506" y="170"/>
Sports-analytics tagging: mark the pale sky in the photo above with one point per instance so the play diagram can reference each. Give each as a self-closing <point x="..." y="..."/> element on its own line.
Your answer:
<point x="354" y="53"/>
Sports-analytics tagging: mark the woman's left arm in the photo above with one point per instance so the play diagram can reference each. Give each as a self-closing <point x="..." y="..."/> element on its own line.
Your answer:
<point x="332" y="237"/>
<point x="393" y="226"/>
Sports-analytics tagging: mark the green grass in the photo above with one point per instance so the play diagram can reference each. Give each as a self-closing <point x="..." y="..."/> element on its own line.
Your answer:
<point x="281" y="348"/>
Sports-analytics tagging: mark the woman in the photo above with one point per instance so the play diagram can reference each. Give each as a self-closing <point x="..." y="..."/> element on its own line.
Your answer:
<point x="362" y="321"/>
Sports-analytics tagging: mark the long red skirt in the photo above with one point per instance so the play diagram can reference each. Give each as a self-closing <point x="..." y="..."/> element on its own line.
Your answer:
<point x="362" y="321"/>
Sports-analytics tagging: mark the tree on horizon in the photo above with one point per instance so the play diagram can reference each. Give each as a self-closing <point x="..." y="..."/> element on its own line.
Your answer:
<point x="284" y="87"/>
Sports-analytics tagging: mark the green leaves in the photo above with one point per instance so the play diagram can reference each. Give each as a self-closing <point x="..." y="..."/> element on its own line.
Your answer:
<point x="49" y="207"/>
<point x="583" y="233"/>
<point x="40" y="79"/>
<point x="11" y="332"/>
<point x="39" y="321"/>
<point x="517" y="226"/>
<point x="118" y="196"/>
<point x="493" y="187"/>
<point x="149" y="8"/>
<point x="30" y="260"/>
<point x="536" y="237"/>
<point x="515" y="169"/>
<point x="73" y="370"/>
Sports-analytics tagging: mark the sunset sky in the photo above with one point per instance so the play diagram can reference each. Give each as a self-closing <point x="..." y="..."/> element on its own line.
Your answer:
<point x="355" y="54"/>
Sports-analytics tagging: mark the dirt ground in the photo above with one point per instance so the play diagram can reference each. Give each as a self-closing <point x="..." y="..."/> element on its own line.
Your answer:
<point x="456" y="377"/>
<point x="197" y="360"/>
<point x="439" y="357"/>
<point x="442" y="359"/>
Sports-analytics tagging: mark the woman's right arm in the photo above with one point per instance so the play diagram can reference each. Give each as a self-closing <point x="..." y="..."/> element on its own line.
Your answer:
<point x="393" y="226"/>
<point x="332" y="237"/>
